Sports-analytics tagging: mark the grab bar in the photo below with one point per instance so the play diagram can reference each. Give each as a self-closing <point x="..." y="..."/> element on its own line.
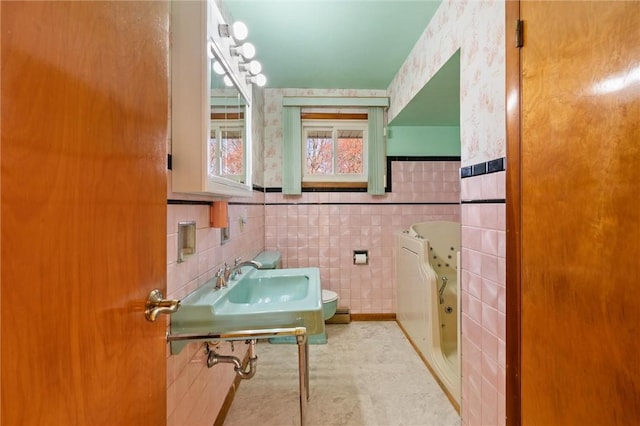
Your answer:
<point x="442" y="287"/>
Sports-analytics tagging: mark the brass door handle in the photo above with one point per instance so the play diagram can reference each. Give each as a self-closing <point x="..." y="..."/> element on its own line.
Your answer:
<point x="157" y="305"/>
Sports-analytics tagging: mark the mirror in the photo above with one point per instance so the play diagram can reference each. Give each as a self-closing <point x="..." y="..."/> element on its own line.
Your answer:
<point x="210" y="106"/>
<point x="230" y="126"/>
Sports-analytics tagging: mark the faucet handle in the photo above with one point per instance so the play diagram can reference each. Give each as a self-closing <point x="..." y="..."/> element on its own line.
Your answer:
<point x="238" y="270"/>
<point x="220" y="279"/>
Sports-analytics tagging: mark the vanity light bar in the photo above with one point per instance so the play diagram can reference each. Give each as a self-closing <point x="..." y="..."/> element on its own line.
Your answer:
<point x="238" y="31"/>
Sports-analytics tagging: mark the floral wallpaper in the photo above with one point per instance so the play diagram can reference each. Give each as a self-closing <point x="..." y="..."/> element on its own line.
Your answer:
<point x="477" y="29"/>
<point x="257" y="134"/>
<point x="273" y="124"/>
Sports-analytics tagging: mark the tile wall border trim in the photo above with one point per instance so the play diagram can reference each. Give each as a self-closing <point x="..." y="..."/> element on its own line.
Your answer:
<point x="310" y="203"/>
<point x="491" y="166"/>
<point x="488" y="201"/>
<point x="245" y="203"/>
<point x="172" y="201"/>
<point x="209" y="203"/>
<point x="356" y="203"/>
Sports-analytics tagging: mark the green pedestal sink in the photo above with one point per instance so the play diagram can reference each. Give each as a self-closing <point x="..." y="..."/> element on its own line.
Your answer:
<point x="256" y="300"/>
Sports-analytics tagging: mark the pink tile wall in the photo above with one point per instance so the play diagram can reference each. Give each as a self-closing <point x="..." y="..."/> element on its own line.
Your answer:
<point x="477" y="29"/>
<point x="483" y="301"/>
<point x="322" y="229"/>
<point x="195" y="393"/>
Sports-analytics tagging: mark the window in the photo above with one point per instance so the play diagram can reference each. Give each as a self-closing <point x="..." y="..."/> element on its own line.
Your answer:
<point x="226" y="150"/>
<point x="334" y="151"/>
<point x="294" y="142"/>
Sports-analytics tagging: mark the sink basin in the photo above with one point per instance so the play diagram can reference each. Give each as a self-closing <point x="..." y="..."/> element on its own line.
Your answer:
<point x="264" y="290"/>
<point x="257" y="300"/>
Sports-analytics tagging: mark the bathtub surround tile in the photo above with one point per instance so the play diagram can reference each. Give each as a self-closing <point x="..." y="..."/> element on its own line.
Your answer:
<point x="483" y="379"/>
<point x="490" y="345"/>
<point x="489" y="267"/>
<point x="472" y="331"/>
<point x="485" y="189"/>
<point x="472" y="306"/>
<point x="390" y="385"/>
<point x="489" y="241"/>
<point x="491" y="293"/>
<point x="489" y="404"/>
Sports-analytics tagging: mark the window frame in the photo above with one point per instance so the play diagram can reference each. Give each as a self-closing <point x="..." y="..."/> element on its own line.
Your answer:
<point x="334" y="125"/>
<point x="218" y="128"/>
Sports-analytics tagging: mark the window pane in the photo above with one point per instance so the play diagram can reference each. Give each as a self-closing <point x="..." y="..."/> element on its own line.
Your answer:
<point x="231" y="152"/>
<point x="350" y="151"/>
<point x="213" y="154"/>
<point x="319" y="152"/>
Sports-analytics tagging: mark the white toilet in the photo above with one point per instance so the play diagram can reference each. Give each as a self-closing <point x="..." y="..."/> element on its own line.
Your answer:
<point x="329" y="306"/>
<point x="329" y="303"/>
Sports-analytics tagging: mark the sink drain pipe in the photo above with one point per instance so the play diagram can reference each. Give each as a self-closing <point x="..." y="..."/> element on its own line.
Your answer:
<point x="213" y="358"/>
<point x="303" y="353"/>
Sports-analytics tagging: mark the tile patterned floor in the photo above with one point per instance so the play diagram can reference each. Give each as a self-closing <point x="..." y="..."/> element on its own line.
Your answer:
<point x="368" y="374"/>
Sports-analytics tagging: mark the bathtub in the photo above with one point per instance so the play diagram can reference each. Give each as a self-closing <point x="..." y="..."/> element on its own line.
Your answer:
<point x="427" y="258"/>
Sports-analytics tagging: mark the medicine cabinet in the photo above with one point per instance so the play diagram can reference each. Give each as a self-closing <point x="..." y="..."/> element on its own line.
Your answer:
<point x="210" y="106"/>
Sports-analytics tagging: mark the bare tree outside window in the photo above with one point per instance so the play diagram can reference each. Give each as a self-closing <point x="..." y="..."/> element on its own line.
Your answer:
<point x="213" y="154"/>
<point x="319" y="152"/>
<point x="350" y="152"/>
<point x="334" y="151"/>
<point x="232" y="152"/>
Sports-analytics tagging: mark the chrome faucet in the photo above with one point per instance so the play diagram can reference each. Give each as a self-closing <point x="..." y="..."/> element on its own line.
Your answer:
<point x="227" y="272"/>
<point x="237" y="268"/>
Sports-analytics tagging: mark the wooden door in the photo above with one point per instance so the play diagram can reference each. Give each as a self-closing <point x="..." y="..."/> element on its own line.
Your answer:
<point x="580" y="213"/>
<point x="83" y="217"/>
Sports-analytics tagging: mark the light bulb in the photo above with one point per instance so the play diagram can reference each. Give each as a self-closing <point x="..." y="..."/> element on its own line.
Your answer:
<point x="261" y="80"/>
<point x="217" y="68"/>
<point x="248" y="50"/>
<point x="240" y="30"/>
<point x="254" y="67"/>
<point x="227" y="81"/>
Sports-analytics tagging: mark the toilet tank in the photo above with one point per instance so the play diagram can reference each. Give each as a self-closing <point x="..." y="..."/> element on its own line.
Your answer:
<point x="269" y="259"/>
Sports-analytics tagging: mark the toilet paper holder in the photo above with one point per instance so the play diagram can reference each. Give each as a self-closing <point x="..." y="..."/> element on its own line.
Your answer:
<point x="361" y="257"/>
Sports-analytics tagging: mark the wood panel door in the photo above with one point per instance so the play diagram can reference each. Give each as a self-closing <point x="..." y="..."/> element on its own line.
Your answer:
<point x="83" y="216"/>
<point x="580" y="213"/>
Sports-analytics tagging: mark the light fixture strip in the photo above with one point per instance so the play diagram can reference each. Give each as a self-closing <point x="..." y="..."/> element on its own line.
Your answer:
<point x="222" y="59"/>
<point x="246" y="51"/>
